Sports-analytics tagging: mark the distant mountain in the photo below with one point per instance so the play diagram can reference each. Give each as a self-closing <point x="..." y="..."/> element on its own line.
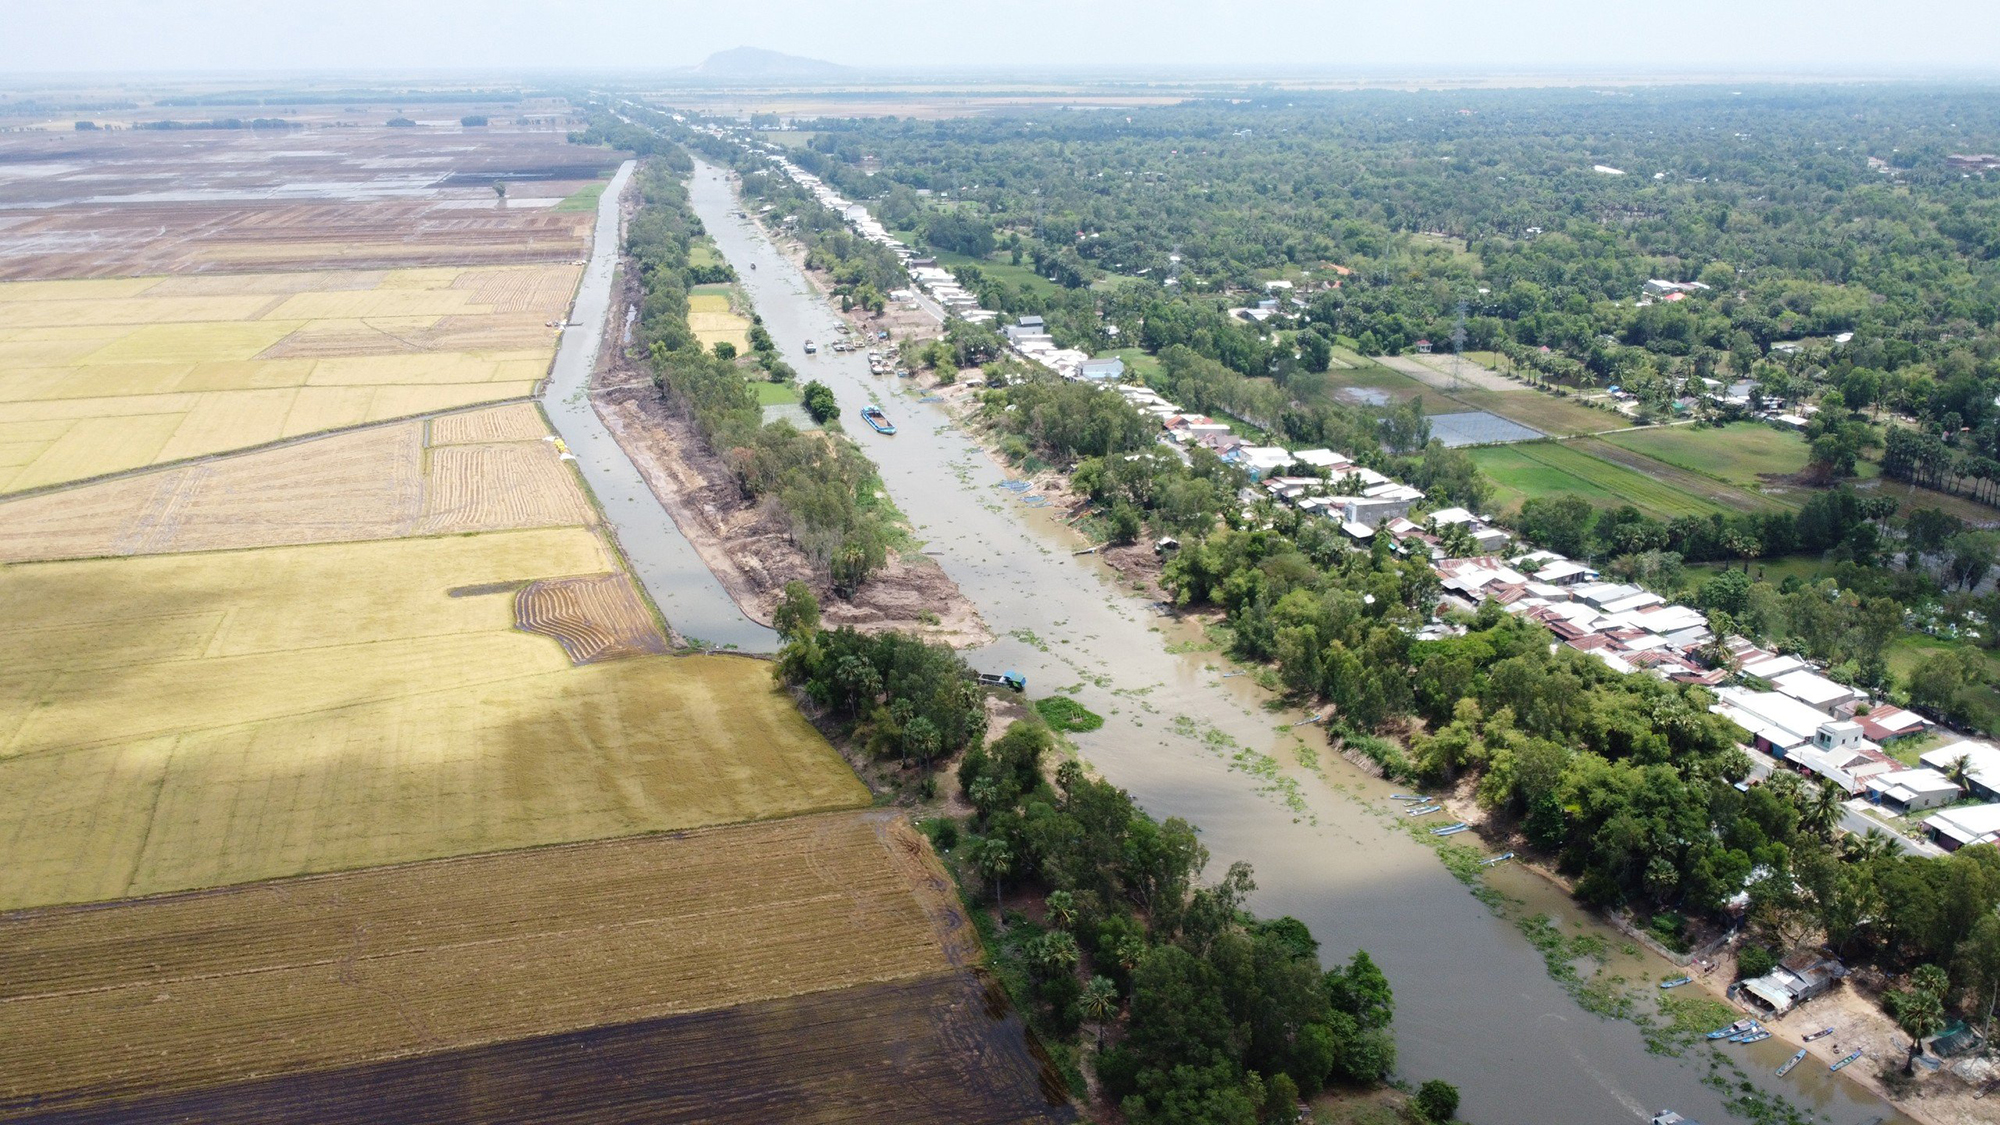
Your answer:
<point x="757" y="64"/>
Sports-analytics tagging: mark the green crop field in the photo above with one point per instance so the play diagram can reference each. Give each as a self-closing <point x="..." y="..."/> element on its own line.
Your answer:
<point x="775" y="394"/>
<point x="582" y="199"/>
<point x="1525" y="471"/>
<point x="1742" y="454"/>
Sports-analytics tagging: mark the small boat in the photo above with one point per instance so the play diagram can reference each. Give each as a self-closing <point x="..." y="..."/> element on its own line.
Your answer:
<point x="878" y="421"/>
<point x="1407" y="797"/>
<point x="1422" y="810"/>
<point x="1820" y="1034"/>
<point x="1452" y="829"/>
<point x="1746" y="1033"/>
<point x="1792" y="1062"/>
<point x="1850" y="1058"/>
<point x="1497" y="860"/>
<point x="1737" y="1028"/>
<point x="1676" y="982"/>
<point x="1756" y="1037"/>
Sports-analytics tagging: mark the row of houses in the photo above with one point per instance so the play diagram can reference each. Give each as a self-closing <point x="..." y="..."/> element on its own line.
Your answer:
<point x="1789" y="710"/>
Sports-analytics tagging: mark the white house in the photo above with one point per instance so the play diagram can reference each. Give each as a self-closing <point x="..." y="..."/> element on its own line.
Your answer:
<point x="1982" y="772"/>
<point x="1777" y="723"/>
<point x="1908" y="791"/>
<point x="1975" y="824"/>
<point x="1814" y="690"/>
<point x="1107" y="369"/>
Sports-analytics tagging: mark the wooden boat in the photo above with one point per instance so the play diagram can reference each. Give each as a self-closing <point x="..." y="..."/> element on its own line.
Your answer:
<point x="877" y="421"/>
<point x="1756" y="1037"/>
<point x="1820" y="1034"/>
<point x="1792" y="1062"/>
<point x="1497" y="860"/>
<point x="1737" y="1028"/>
<point x="1850" y="1058"/>
<point x="1747" y="1032"/>
<point x="1452" y="829"/>
<point x="1676" y="982"/>
<point x="1407" y="797"/>
<point x="1422" y="810"/>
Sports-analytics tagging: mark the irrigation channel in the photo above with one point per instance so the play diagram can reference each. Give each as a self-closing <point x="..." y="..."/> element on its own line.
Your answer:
<point x="680" y="584"/>
<point x="1475" y="1003"/>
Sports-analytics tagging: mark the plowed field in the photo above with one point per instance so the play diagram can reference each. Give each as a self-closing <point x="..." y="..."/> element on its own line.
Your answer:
<point x="192" y="991"/>
<point x="374" y="483"/>
<point x="594" y="617"/>
<point x="179" y="721"/>
<point x="99" y="377"/>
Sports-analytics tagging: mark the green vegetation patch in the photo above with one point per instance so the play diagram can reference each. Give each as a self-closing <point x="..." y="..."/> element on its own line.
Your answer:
<point x="582" y="199"/>
<point x="1528" y="470"/>
<point x="1742" y="454"/>
<point x="775" y="394"/>
<point x="1067" y="715"/>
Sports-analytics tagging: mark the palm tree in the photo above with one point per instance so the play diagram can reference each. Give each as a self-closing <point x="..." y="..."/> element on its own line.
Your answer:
<point x="1958" y="769"/>
<point x="1920" y="1009"/>
<point x="1062" y="908"/>
<point x="1868" y="847"/>
<point x="1099" y="1001"/>
<point x="995" y="859"/>
<point x="1822" y="809"/>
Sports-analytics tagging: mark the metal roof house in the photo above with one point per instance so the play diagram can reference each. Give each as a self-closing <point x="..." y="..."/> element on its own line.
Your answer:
<point x="1797" y="979"/>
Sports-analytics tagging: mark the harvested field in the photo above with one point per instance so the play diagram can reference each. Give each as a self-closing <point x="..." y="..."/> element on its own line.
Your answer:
<point x="178" y="721"/>
<point x="373" y="483"/>
<point x="516" y="484"/>
<point x="194" y="991"/>
<point x="515" y="422"/>
<point x="932" y="1050"/>
<point x="594" y="617"/>
<point x="99" y="377"/>
<point x="113" y="204"/>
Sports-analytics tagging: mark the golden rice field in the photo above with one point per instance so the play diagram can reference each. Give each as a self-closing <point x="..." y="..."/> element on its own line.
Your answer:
<point x="191" y="720"/>
<point x="486" y="469"/>
<point x="710" y="317"/>
<point x="103" y="376"/>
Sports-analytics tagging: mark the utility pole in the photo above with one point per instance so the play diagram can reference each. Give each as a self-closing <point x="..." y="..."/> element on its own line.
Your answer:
<point x="1457" y="345"/>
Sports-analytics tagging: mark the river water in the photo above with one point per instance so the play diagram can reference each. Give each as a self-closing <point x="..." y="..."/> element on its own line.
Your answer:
<point x="1474" y="1003"/>
<point x="680" y="584"/>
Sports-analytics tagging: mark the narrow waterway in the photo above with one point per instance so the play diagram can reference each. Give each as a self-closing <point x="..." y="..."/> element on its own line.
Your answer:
<point x="1474" y="1002"/>
<point x="685" y="590"/>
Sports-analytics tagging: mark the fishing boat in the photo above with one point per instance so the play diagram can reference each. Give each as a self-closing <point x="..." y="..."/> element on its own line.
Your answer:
<point x="1451" y="829"/>
<point x="1737" y="1028"/>
<point x="1496" y="860"/>
<point x="1850" y="1058"/>
<point x="1820" y="1034"/>
<point x="1676" y="982"/>
<point x="1747" y="1032"/>
<point x="1792" y="1062"/>
<point x="1408" y="797"/>
<point x="1755" y="1037"/>
<point x="877" y="421"/>
<point x="1422" y="810"/>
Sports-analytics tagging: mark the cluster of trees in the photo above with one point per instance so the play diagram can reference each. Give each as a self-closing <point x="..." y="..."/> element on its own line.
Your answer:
<point x="1201" y="1012"/>
<point x="825" y="489"/>
<point x="901" y="697"/>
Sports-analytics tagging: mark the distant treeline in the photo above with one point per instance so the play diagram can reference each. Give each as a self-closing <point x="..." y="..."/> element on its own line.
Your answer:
<point x="346" y="97"/>
<point x="221" y="123"/>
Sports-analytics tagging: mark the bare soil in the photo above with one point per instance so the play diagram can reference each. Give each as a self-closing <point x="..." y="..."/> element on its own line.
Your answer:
<point x="746" y="544"/>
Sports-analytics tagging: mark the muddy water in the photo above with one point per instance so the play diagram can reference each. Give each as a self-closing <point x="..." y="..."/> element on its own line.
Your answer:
<point x="1474" y="1003"/>
<point x="686" y="592"/>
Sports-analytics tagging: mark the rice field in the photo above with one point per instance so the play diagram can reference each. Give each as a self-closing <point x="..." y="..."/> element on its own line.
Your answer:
<point x="186" y="992"/>
<point x="105" y="376"/>
<point x="713" y="321"/>
<point x="594" y="617"/>
<point x="1534" y="469"/>
<point x="178" y="721"/>
<point x="486" y="469"/>
<point x="1744" y="454"/>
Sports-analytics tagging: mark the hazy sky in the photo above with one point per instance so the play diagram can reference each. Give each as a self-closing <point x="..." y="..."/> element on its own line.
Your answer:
<point x="1820" y="36"/>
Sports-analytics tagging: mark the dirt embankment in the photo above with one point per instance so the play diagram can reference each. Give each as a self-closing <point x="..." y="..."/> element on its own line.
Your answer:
<point x="746" y="543"/>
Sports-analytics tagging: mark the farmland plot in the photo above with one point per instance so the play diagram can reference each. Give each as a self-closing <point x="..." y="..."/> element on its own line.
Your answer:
<point x="100" y="377"/>
<point x="188" y="992"/>
<point x="180" y="721"/>
<point x="375" y="483"/>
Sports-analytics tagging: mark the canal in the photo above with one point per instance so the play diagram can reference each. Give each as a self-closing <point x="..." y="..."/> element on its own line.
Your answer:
<point x="1474" y="1002"/>
<point x="695" y="605"/>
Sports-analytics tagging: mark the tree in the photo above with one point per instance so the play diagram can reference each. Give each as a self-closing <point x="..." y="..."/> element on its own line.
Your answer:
<point x="724" y="350"/>
<point x="1438" y="1100"/>
<point x="995" y="861"/>
<point x="1098" y="1004"/>
<point x="1062" y="908"/>
<point x="818" y="401"/>
<point x="500" y="189"/>
<point x="1315" y="352"/>
<point x="797" y="615"/>
<point x="1919" y="1009"/>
